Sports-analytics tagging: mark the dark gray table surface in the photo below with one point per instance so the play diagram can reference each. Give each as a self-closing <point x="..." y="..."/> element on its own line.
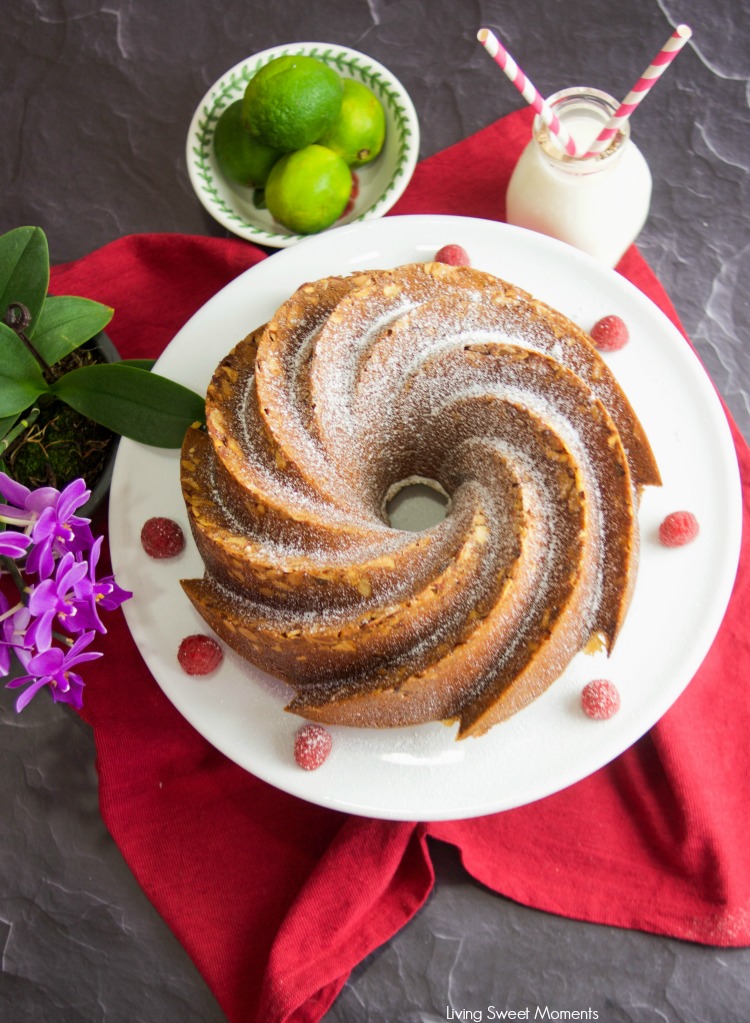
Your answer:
<point x="97" y="96"/>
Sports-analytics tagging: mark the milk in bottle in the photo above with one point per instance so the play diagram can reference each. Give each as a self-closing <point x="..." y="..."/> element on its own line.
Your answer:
<point x="598" y="203"/>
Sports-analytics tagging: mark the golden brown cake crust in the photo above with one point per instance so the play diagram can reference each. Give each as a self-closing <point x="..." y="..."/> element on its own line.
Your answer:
<point x="431" y="371"/>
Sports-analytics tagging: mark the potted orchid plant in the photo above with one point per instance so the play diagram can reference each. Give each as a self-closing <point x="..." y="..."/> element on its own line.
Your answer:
<point x="49" y="366"/>
<point x="59" y="395"/>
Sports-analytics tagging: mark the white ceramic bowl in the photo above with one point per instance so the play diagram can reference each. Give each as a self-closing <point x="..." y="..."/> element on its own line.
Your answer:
<point x="380" y="183"/>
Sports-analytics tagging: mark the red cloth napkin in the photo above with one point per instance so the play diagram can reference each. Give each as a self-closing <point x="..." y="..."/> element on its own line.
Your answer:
<point x="277" y="900"/>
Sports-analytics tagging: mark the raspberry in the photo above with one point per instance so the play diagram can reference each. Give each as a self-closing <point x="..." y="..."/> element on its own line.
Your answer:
<point x="162" y="538"/>
<point x="453" y="255"/>
<point x="610" y="334"/>
<point x="600" y="699"/>
<point x="678" y="528"/>
<point x="312" y="744"/>
<point x="199" y="654"/>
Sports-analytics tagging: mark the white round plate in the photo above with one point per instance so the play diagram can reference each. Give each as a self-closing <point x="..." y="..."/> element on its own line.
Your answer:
<point x="381" y="182"/>
<point x="422" y="773"/>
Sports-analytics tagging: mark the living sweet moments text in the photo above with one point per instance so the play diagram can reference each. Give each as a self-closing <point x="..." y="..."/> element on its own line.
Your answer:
<point x="537" y="1012"/>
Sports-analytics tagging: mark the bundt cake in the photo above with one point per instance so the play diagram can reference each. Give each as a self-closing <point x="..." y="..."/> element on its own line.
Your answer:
<point x="427" y="372"/>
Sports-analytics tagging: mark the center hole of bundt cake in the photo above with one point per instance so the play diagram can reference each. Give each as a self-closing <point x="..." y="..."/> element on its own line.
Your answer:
<point x="415" y="504"/>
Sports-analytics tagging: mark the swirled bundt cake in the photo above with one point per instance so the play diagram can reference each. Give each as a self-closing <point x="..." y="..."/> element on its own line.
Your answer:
<point x="423" y="372"/>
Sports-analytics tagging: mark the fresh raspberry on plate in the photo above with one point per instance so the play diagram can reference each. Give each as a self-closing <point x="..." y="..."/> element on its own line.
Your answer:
<point x="600" y="699"/>
<point x="312" y="744"/>
<point x="454" y="255"/>
<point x="162" y="538"/>
<point x="610" y="334"/>
<point x="199" y="654"/>
<point x="678" y="528"/>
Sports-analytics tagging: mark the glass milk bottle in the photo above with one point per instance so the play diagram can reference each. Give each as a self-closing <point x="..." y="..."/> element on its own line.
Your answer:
<point x="597" y="203"/>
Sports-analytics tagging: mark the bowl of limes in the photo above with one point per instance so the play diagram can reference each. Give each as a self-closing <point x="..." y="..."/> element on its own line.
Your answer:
<point x="300" y="138"/>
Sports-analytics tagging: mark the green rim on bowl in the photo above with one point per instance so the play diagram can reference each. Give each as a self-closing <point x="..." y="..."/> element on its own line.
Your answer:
<point x="381" y="183"/>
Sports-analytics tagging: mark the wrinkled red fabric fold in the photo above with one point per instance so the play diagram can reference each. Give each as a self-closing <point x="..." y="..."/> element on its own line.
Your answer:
<point x="277" y="900"/>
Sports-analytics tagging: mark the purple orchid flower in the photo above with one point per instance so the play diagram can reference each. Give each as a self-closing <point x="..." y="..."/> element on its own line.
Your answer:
<point x="13" y="544"/>
<point x="91" y="593"/>
<point x="55" y="527"/>
<point x="24" y="505"/>
<point x="53" y="668"/>
<point x="58" y="547"/>
<point x="54" y="598"/>
<point x="14" y="630"/>
<point x="16" y="493"/>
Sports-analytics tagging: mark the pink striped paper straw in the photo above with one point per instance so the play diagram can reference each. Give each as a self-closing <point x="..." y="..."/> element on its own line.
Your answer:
<point x="642" y="87"/>
<point x="500" y="55"/>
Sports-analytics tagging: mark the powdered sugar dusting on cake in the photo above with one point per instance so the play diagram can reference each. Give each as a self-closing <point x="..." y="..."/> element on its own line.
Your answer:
<point x="430" y="371"/>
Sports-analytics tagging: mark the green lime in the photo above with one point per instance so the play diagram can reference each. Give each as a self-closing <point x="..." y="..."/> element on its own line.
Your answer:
<point x="358" y="133"/>
<point x="291" y="101"/>
<point x="308" y="190"/>
<point x="241" y="158"/>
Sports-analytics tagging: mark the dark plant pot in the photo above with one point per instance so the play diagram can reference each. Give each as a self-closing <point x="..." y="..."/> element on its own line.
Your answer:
<point x="100" y="487"/>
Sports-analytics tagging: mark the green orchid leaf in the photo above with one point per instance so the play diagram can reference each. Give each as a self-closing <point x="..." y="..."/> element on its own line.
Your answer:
<point x="132" y="402"/>
<point x="24" y="271"/>
<point x="65" y="323"/>
<point x="21" y="380"/>
<point x="139" y="363"/>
